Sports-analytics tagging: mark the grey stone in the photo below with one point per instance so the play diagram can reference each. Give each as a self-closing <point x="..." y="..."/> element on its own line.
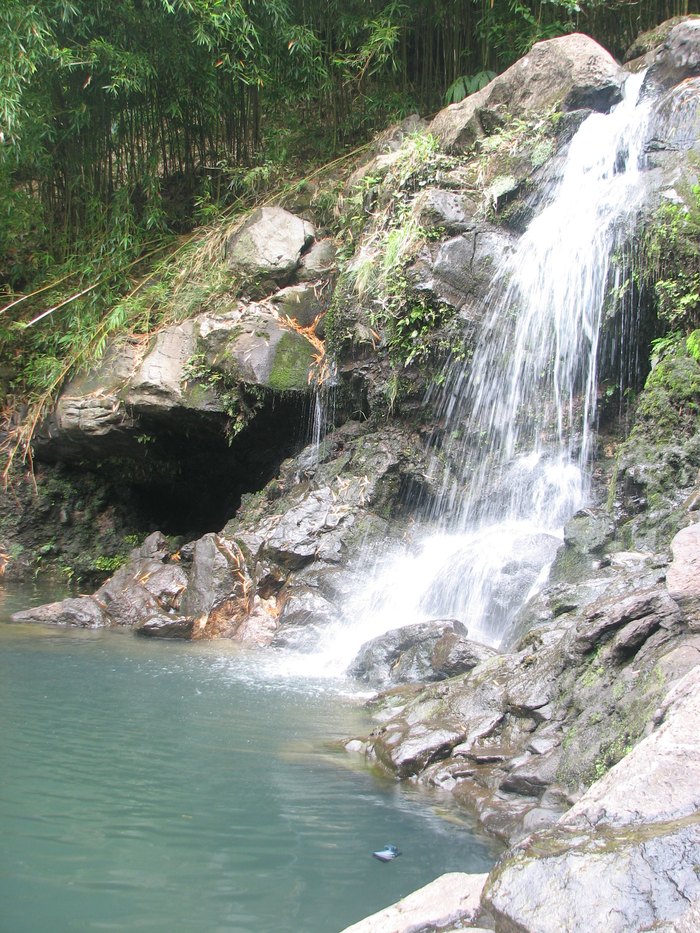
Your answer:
<point x="165" y="626"/>
<point x="677" y="58"/>
<point x="460" y="271"/>
<point x="633" y="839"/>
<point x="451" y="899"/>
<point x="81" y="612"/>
<point x="408" y="753"/>
<point x="320" y="261"/>
<point x="249" y="344"/>
<point x="532" y="775"/>
<point x="683" y="576"/>
<point x="298" y="302"/>
<point x="572" y="72"/>
<point x="218" y="574"/>
<point x="607" y="615"/>
<point x="268" y="246"/>
<point x="447" y="211"/>
<point x="611" y="882"/>
<point x="418" y="653"/>
<point x="158" y="385"/>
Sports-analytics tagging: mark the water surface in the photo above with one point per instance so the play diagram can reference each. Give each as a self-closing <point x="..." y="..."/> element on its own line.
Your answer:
<point x="150" y="785"/>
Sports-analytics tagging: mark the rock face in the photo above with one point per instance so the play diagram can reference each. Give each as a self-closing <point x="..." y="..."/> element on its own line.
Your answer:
<point x="622" y="858"/>
<point x="171" y="385"/>
<point x="572" y="72"/>
<point x="519" y="736"/>
<point x="144" y="588"/>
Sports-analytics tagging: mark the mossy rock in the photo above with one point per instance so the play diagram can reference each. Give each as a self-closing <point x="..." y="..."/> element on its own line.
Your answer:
<point x="294" y="358"/>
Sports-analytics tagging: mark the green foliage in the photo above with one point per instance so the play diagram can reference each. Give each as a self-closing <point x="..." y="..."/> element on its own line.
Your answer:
<point x="109" y="564"/>
<point x="238" y="403"/>
<point x="673" y="255"/>
<point x="465" y="85"/>
<point x="670" y="403"/>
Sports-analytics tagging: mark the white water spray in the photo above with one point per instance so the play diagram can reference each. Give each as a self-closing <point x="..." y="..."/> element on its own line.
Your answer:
<point x="518" y="421"/>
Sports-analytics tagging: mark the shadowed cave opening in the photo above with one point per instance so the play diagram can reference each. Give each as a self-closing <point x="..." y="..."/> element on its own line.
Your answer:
<point x="184" y="476"/>
<point x="192" y="481"/>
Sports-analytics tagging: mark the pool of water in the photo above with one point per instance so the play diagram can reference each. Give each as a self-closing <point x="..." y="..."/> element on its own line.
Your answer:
<point x="150" y="785"/>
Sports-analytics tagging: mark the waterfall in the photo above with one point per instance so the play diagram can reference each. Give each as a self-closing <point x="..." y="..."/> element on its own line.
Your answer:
<point x="516" y="423"/>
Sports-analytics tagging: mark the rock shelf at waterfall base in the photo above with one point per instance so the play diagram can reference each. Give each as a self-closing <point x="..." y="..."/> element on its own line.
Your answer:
<point x="499" y="530"/>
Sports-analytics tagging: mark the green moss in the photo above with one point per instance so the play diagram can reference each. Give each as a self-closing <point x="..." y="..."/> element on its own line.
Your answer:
<point x="294" y="357"/>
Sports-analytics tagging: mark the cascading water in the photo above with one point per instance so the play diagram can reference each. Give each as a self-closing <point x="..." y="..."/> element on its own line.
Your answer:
<point x="518" y="420"/>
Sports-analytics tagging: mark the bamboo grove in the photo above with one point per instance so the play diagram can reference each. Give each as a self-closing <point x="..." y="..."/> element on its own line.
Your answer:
<point x="121" y="122"/>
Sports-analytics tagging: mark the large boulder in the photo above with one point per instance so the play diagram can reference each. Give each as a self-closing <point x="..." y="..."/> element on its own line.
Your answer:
<point x="570" y="72"/>
<point x="146" y="586"/>
<point x="158" y="385"/>
<point x="79" y="612"/>
<point x="267" y="248"/>
<point x="319" y="262"/>
<point x="187" y="381"/>
<point x="418" y="653"/>
<point x="460" y="271"/>
<point x="251" y="345"/>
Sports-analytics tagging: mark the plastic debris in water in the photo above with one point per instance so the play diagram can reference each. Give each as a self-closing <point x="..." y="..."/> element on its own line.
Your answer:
<point x="387" y="853"/>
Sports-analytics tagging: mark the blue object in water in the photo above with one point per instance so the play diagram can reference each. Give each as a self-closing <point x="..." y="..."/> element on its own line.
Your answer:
<point x="387" y="853"/>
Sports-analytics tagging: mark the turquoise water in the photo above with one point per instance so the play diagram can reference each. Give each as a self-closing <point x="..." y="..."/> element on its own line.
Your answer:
<point x="161" y="786"/>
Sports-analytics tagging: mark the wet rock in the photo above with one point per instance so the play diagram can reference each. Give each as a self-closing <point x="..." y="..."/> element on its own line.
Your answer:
<point x="409" y="752"/>
<point x="589" y="532"/>
<point x="164" y="626"/>
<point x="81" y="612"/>
<point x="417" y="653"/>
<point x="573" y="72"/>
<point x="266" y="250"/>
<point x="648" y="608"/>
<point x="218" y="575"/>
<point x="533" y="775"/>
<point x="143" y="587"/>
<point x="460" y="270"/>
<point x="304" y="604"/>
<point x="677" y="58"/>
<point x="298" y="302"/>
